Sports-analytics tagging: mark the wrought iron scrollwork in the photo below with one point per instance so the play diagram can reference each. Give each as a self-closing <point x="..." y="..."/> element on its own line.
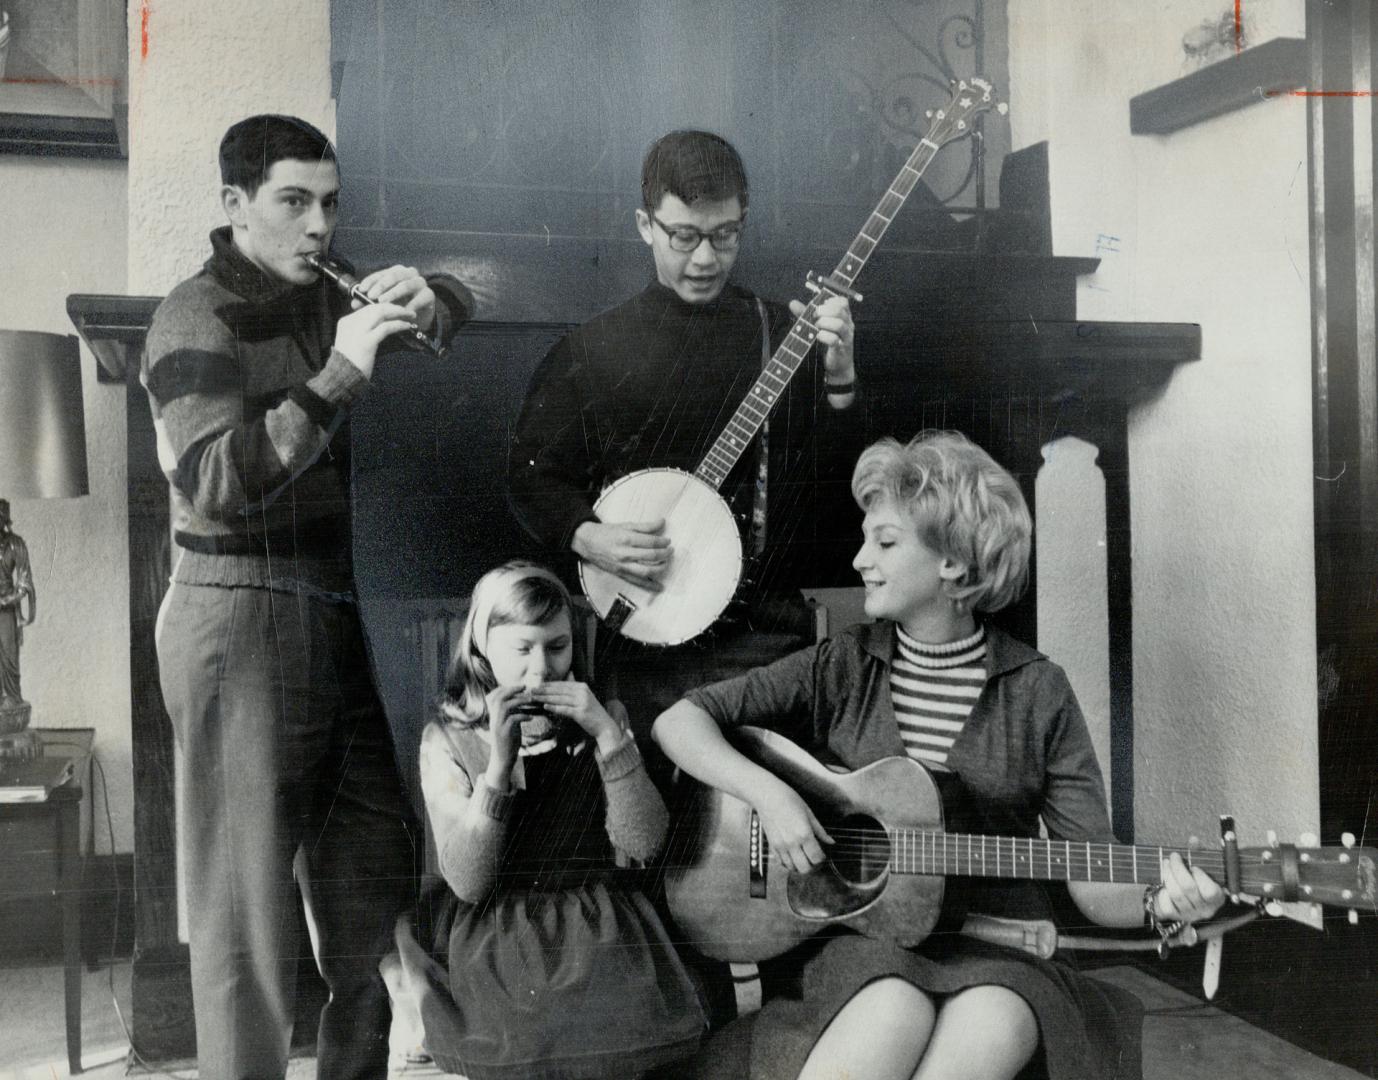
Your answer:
<point x="902" y="101"/>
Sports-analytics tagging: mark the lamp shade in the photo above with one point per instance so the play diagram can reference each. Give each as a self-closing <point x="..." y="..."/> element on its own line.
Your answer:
<point x="42" y="424"/>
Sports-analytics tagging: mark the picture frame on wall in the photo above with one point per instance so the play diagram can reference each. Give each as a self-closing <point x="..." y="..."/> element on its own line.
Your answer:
<point x="62" y="78"/>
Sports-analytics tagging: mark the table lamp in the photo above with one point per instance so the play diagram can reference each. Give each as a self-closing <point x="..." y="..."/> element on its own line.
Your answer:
<point x="42" y="456"/>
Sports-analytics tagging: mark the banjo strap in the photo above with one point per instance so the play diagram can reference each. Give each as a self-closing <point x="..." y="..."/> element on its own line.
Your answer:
<point x="757" y="539"/>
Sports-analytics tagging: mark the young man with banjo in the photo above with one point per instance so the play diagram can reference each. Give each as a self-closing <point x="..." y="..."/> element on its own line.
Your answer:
<point x="641" y="397"/>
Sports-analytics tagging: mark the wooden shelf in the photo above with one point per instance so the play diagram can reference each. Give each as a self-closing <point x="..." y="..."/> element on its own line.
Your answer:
<point x="113" y="328"/>
<point x="1275" y="67"/>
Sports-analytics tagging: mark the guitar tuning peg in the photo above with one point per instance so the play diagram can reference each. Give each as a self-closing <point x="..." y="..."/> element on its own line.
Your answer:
<point x="1347" y="839"/>
<point x="1194" y="842"/>
<point x="1308" y="839"/>
<point x="1353" y="916"/>
<point x="1272" y="838"/>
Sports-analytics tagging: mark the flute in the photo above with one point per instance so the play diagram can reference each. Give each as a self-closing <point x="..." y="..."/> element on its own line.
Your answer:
<point x="349" y="285"/>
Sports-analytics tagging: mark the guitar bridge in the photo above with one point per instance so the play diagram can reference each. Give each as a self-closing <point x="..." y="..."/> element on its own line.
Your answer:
<point x="758" y="853"/>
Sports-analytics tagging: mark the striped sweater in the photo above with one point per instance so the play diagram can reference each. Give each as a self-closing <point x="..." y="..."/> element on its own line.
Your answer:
<point x="250" y="405"/>
<point x="933" y="689"/>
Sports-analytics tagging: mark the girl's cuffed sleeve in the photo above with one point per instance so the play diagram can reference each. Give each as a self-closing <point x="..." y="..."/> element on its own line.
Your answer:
<point x="637" y="819"/>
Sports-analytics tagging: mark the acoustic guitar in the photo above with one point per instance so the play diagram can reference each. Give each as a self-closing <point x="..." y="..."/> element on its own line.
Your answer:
<point x="707" y="563"/>
<point x="890" y="858"/>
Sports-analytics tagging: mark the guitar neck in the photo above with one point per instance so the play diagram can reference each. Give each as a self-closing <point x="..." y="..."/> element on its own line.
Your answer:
<point x="775" y="376"/>
<point x="919" y="851"/>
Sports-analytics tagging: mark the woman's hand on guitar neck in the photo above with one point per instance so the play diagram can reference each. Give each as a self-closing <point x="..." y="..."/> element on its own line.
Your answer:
<point x="794" y="834"/>
<point x="635" y="551"/>
<point x="1188" y="894"/>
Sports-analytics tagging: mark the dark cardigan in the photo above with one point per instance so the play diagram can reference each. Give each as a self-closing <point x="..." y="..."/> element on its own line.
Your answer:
<point x="1024" y="753"/>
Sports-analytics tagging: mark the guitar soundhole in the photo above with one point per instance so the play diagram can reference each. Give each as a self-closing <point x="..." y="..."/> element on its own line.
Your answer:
<point x="861" y="849"/>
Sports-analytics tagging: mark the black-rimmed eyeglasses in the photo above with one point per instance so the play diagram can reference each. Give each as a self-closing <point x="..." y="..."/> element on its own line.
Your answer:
<point x="686" y="238"/>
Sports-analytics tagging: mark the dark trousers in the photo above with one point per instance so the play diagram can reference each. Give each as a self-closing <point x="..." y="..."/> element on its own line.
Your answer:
<point x="288" y="765"/>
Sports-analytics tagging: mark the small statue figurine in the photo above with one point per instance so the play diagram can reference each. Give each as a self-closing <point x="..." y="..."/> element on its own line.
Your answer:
<point x="16" y="586"/>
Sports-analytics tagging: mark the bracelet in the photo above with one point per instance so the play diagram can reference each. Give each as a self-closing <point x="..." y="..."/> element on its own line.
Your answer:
<point x="1166" y="929"/>
<point x="831" y="388"/>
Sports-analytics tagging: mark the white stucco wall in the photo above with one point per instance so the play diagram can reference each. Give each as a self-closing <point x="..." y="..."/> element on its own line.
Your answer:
<point x="208" y="64"/>
<point x="62" y="230"/>
<point x="1209" y="226"/>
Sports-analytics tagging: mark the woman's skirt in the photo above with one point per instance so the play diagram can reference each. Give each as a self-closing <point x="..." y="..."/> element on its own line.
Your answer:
<point x="1087" y="1029"/>
<point x="571" y="984"/>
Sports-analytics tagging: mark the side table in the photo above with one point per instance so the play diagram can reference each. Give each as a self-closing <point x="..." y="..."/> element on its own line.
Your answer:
<point x="41" y="842"/>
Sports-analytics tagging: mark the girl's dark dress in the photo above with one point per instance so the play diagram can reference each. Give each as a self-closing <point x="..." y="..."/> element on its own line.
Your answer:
<point x="558" y="966"/>
<point x="1023" y="756"/>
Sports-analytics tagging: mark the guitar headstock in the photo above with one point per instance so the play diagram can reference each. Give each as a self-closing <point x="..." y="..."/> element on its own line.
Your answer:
<point x="970" y="98"/>
<point x="1345" y="876"/>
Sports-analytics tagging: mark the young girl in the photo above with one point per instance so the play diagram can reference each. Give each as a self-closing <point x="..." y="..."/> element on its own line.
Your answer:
<point x="946" y="538"/>
<point x="558" y="964"/>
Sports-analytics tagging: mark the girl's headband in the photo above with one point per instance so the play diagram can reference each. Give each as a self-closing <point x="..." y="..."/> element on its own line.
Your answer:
<point x="500" y="583"/>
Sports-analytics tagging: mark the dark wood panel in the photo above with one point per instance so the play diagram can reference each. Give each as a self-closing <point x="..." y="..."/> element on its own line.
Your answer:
<point x="155" y="838"/>
<point x="528" y="118"/>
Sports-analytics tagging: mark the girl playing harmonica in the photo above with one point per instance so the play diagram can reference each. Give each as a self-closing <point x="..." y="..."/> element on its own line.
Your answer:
<point x="535" y="791"/>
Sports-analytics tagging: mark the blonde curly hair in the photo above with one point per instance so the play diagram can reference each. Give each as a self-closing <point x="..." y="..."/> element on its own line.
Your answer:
<point x="965" y="506"/>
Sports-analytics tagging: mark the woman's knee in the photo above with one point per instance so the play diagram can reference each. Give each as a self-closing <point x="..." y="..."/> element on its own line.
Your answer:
<point x="988" y="1032"/>
<point x="882" y="1031"/>
<point x="1004" y="1014"/>
<point x="893" y="1001"/>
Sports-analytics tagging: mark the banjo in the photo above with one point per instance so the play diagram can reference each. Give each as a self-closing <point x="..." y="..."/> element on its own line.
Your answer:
<point x="706" y="565"/>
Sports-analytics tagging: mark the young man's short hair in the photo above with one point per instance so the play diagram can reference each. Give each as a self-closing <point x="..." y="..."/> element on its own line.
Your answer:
<point x="965" y="506"/>
<point x="254" y="145"/>
<point x="692" y="165"/>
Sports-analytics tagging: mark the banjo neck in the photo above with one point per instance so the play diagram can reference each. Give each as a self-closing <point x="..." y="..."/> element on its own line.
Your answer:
<point x="948" y="123"/>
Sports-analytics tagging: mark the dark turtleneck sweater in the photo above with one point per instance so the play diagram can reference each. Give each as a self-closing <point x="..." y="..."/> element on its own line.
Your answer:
<point x="250" y="405"/>
<point x="652" y="382"/>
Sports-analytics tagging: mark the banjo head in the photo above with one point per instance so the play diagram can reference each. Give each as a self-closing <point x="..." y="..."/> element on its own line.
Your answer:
<point x="705" y="556"/>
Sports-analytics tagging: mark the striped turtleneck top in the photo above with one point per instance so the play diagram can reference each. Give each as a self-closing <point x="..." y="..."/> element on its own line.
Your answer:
<point x="933" y="689"/>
